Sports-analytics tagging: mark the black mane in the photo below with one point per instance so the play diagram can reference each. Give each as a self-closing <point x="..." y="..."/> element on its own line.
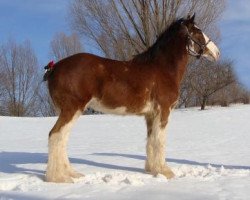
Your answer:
<point x="160" y="43"/>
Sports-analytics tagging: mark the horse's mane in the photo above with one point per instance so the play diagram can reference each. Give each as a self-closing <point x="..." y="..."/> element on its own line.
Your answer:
<point x="160" y="43"/>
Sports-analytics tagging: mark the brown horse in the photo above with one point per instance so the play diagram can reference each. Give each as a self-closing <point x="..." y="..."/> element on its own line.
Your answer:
<point x="148" y="85"/>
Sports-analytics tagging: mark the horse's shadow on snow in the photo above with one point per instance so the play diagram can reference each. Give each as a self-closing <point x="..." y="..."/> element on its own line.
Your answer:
<point x="11" y="162"/>
<point x="177" y="161"/>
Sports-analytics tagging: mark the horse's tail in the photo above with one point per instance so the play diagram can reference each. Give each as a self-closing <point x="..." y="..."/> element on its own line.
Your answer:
<point x="48" y="69"/>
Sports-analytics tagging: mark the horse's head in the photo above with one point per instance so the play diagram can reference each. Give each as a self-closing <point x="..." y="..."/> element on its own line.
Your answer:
<point x="198" y="42"/>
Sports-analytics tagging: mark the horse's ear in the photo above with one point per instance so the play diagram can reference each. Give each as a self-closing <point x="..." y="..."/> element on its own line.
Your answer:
<point x="192" y="18"/>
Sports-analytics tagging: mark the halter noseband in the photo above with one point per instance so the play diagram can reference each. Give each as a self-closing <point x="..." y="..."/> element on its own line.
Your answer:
<point x="201" y="46"/>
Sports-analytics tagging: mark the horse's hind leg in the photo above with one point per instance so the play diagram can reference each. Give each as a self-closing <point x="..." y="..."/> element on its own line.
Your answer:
<point x="59" y="168"/>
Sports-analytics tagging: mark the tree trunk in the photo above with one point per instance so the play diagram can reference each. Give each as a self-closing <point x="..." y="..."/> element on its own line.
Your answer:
<point x="204" y="103"/>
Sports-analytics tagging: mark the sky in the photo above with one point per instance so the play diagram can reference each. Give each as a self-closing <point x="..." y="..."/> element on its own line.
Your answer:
<point x="39" y="20"/>
<point x="34" y="20"/>
<point x="235" y="37"/>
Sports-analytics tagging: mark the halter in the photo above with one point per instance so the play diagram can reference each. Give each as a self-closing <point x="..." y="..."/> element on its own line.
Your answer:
<point x="201" y="46"/>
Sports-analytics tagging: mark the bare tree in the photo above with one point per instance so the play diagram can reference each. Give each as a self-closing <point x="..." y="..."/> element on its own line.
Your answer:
<point x="130" y="27"/>
<point x="122" y="28"/>
<point x="46" y="105"/>
<point x="233" y="93"/>
<point x="245" y="95"/>
<point x="19" y="84"/>
<point x="187" y="95"/>
<point x="210" y="78"/>
<point x="2" y="91"/>
<point x="63" y="45"/>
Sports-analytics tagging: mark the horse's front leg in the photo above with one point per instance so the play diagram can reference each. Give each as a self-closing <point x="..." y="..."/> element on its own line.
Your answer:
<point x="156" y="145"/>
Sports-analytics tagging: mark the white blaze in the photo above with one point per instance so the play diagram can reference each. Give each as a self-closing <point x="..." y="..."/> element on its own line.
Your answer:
<point x="214" y="50"/>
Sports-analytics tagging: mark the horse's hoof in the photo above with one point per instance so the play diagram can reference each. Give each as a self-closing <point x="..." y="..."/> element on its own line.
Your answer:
<point x="165" y="171"/>
<point x="76" y="175"/>
<point x="61" y="179"/>
<point x="168" y="173"/>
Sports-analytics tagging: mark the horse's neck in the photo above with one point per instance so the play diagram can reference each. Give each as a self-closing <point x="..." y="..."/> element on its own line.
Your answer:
<point x="173" y="58"/>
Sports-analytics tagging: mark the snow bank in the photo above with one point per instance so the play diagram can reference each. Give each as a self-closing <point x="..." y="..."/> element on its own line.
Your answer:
<point x="207" y="150"/>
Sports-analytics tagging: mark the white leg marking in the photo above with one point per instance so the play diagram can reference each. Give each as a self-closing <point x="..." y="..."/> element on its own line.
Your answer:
<point x="59" y="169"/>
<point x="156" y="145"/>
<point x="148" y="107"/>
<point x="156" y="150"/>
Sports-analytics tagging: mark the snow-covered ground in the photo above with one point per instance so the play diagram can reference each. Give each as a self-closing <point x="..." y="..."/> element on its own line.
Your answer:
<point x="208" y="151"/>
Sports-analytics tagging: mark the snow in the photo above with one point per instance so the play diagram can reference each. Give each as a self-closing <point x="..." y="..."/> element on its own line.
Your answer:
<point x="208" y="151"/>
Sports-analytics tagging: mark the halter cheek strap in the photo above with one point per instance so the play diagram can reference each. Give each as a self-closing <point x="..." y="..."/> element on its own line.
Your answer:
<point x="201" y="46"/>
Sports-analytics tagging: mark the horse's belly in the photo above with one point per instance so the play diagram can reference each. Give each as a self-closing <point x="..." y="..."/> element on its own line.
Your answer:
<point x="99" y="106"/>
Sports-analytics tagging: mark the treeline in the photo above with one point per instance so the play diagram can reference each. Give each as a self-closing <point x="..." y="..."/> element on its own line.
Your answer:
<point x="22" y="92"/>
<point x="129" y="28"/>
<point x="207" y="83"/>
